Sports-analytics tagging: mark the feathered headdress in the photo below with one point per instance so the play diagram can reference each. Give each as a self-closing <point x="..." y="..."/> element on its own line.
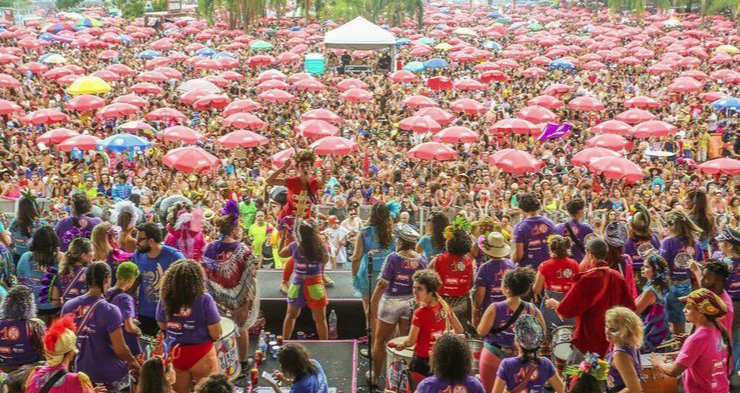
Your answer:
<point x="590" y="365"/>
<point x="125" y="206"/>
<point x="304" y="156"/>
<point x="231" y="209"/>
<point x="60" y="339"/>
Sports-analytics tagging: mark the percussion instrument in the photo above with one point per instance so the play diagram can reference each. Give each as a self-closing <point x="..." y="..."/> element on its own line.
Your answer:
<point x="561" y="342"/>
<point x="227" y="351"/>
<point x="476" y="346"/>
<point x="654" y="380"/>
<point x="683" y="260"/>
<point x="396" y="365"/>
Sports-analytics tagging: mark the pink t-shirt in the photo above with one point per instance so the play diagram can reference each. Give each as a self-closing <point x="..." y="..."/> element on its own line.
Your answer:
<point x="726" y="321"/>
<point x="704" y="354"/>
<point x="70" y="383"/>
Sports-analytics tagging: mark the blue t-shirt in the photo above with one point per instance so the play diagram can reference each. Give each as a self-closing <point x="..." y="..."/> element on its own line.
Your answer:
<point x="427" y="248"/>
<point x="29" y="276"/>
<point x="312" y="383"/>
<point x="151" y="271"/>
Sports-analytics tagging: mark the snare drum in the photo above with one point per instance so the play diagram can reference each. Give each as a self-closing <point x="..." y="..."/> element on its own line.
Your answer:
<point x="476" y="346"/>
<point x="654" y="380"/>
<point x="396" y="363"/>
<point x="226" y="350"/>
<point x="561" y="342"/>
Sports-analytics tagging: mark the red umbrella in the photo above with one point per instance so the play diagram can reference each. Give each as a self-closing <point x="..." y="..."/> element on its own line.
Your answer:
<point x="309" y="84"/>
<point x="276" y="95"/>
<point x="468" y="84"/>
<point x="45" y="116"/>
<point x="117" y="110"/>
<point x="685" y="85"/>
<point x="238" y="106"/>
<point x="9" y="82"/>
<point x="261" y="61"/>
<point x="181" y="134"/>
<point x="467" y="105"/>
<point x="243" y="139"/>
<point x="653" y="128"/>
<point x="537" y="114"/>
<point x="272" y="84"/>
<point x="494" y="76"/>
<point x="131" y="99"/>
<point x="211" y="101"/>
<point x="317" y="129"/>
<point x="558" y="88"/>
<point x="356" y="95"/>
<point x="351" y="84"/>
<point x="440" y="83"/>
<point x="456" y="135"/>
<point x="403" y="76"/>
<point x="106" y="75"/>
<point x="713" y="96"/>
<point x="279" y="158"/>
<point x="642" y="102"/>
<point x="586" y="104"/>
<point x="152" y="76"/>
<point x="190" y="159"/>
<point x="616" y="168"/>
<point x="82" y="142"/>
<point x="190" y="97"/>
<point x="9" y="107"/>
<point x="419" y="102"/>
<point x="612" y="127"/>
<point x="243" y="120"/>
<point x="164" y="114"/>
<point x="546" y="101"/>
<point x="516" y="162"/>
<point x="56" y="73"/>
<point x="439" y="115"/>
<point x="514" y="126"/>
<point x="57" y="135"/>
<point x="35" y="67"/>
<point x="634" y="116"/>
<point x="146" y="88"/>
<point x="321" y="114"/>
<point x="420" y="124"/>
<point x="432" y="151"/>
<point x="585" y="156"/>
<point x="534" y="72"/>
<point x="722" y="166"/>
<point x="84" y="103"/>
<point x="271" y="74"/>
<point x="609" y="141"/>
<point x="333" y="146"/>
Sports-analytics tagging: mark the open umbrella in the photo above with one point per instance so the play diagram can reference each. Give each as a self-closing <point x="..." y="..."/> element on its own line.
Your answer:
<point x="685" y="85"/>
<point x="439" y="115"/>
<point x="45" y="116"/>
<point x="321" y="114"/>
<point x="642" y="102"/>
<point x="333" y="146"/>
<point x="456" y="134"/>
<point x="317" y="129"/>
<point x="609" y="141"/>
<point x="9" y="82"/>
<point x="243" y="139"/>
<point x="131" y="99"/>
<point x="612" y="127"/>
<point x="419" y="102"/>
<point x="278" y="159"/>
<point x="117" y="110"/>
<point x="57" y="135"/>
<point x="190" y="159"/>
<point x="146" y="88"/>
<point x="82" y="142"/>
<point x="432" y="151"/>
<point x="722" y="166"/>
<point x="136" y="126"/>
<point x="727" y="104"/>
<point x="238" y="106"/>
<point x="420" y="124"/>
<point x="123" y="142"/>
<point x="88" y="85"/>
<point x="546" y="101"/>
<point x="403" y="76"/>
<point x="586" y="104"/>
<point x="211" y="101"/>
<point x="616" y="168"/>
<point x="635" y="116"/>
<point x="516" y="162"/>
<point x="243" y="120"/>
<point x="351" y="83"/>
<point x="275" y="95"/>
<point x="84" y="103"/>
<point x="440" y="83"/>
<point x="181" y="134"/>
<point x="357" y="95"/>
<point x="653" y="128"/>
<point x="164" y="114"/>
<point x="537" y="114"/>
<point x="514" y="126"/>
<point x="9" y="107"/>
<point x="585" y="156"/>
<point x="467" y="105"/>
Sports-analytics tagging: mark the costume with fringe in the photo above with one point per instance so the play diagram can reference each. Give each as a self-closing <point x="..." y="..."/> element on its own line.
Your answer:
<point x="125" y="206"/>
<point x="186" y="234"/>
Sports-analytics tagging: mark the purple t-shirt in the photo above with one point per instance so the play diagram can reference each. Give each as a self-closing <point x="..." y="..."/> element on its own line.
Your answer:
<point x="435" y="385"/>
<point x="96" y="358"/>
<point x="733" y="282"/>
<point x="533" y="233"/>
<point x="630" y="248"/>
<point x="505" y="339"/>
<point x="303" y="265"/>
<point x="66" y="230"/>
<point x="580" y="230"/>
<point x="16" y="346"/>
<point x="69" y="290"/>
<point x="614" y="379"/>
<point x="190" y="325"/>
<point x="673" y="246"/>
<point x="513" y="371"/>
<point x="126" y="306"/>
<point x="490" y="275"/>
<point x="397" y="271"/>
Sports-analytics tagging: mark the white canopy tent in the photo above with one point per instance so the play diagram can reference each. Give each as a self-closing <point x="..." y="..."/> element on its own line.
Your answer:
<point x="361" y="34"/>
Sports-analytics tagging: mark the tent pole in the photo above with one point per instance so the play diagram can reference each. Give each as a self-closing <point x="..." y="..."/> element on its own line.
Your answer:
<point x="394" y="65"/>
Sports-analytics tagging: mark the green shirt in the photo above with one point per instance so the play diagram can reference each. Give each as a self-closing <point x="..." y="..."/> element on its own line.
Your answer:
<point x="246" y="214"/>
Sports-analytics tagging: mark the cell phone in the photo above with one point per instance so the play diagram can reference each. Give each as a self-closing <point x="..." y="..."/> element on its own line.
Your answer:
<point x="268" y="377"/>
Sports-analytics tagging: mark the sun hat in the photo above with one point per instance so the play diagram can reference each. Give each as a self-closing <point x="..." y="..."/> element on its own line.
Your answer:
<point x="495" y="245"/>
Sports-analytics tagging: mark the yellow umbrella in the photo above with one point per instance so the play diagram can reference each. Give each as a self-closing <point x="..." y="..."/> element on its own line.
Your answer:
<point x="465" y="31"/>
<point x="443" y="46"/>
<point x="88" y="85"/>
<point x="729" y="49"/>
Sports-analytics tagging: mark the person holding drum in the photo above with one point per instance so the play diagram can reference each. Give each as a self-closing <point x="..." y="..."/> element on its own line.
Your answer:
<point x="683" y="240"/>
<point x="555" y="276"/>
<point x="20" y="343"/>
<point x="431" y="319"/>
<point x="640" y="233"/>
<point x="231" y="272"/>
<point x="651" y="304"/>
<point x="305" y="375"/>
<point x="491" y="273"/>
<point x="394" y="292"/>
<point x="497" y="324"/>
<point x="704" y="358"/>
<point x="126" y="275"/>
<point x="457" y="271"/>
<point x="574" y="229"/>
<point x="103" y="355"/>
<point x="624" y="333"/>
<point x="190" y="318"/>
<point x="451" y="362"/>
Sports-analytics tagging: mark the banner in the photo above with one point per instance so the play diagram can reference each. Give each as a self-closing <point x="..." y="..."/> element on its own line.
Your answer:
<point x="554" y="131"/>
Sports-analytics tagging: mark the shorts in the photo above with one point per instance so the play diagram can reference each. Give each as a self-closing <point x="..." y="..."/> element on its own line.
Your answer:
<point x="393" y="309"/>
<point x="309" y="291"/>
<point x="674" y="308"/>
<point x="187" y="356"/>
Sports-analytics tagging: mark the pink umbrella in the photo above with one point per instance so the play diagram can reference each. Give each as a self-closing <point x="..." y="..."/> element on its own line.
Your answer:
<point x="57" y="135"/>
<point x="279" y="158"/>
<point x="333" y="146"/>
<point x="243" y="120"/>
<point x="420" y="102"/>
<point x="586" y="104"/>
<point x="243" y="139"/>
<point x="82" y="142"/>
<point x="152" y="76"/>
<point x="516" y="162"/>
<point x="557" y="89"/>
<point x="321" y="114"/>
<point x="56" y="73"/>
<point x="271" y="74"/>
<point x="272" y="84"/>
<point x="537" y="114"/>
<point x="534" y="72"/>
<point x="146" y="88"/>
<point x="456" y="135"/>
<point x="9" y="107"/>
<point x="468" y="84"/>
<point x="106" y="75"/>
<point x="275" y="95"/>
<point x="609" y="141"/>
<point x="192" y="96"/>
<point x="642" y="102"/>
<point x="420" y="124"/>
<point x="120" y="69"/>
<point x="685" y="85"/>
<point x="181" y="134"/>
<point x="403" y="76"/>
<point x="309" y="84"/>
<point x="467" y="105"/>
<point x="546" y="101"/>
<point x="432" y="151"/>
<point x="356" y="95"/>
<point x="9" y="82"/>
<point x="612" y="127"/>
<point x="616" y="168"/>
<point x="238" y="106"/>
<point x="45" y="116"/>
<point x="439" y="115"/>
<point x="585" y="156"/>
<point x="653" y="128"/>
<point x="712" y="96"/>
<point x="117" y="110"/>
<point x="190" y="159"/>
<point x="351" y="83"/>
<point x="131" y="99"/>
<point x="514" y="126"/>
<point x="722" y="166"/>
<point x="317" y="129"/>
<point x="211" y="101"/>
<point x="84" y="103"/>
<point x="634" y="116"/>
<point x="164" y="114"/>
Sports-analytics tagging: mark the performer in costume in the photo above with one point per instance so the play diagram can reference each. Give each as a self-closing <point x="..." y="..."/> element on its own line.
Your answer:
<point x="23" y="343"/>
<point x="185" y="231"/>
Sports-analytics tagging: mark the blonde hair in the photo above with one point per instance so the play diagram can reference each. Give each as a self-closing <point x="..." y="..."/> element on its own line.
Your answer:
<point x="629" y="325"/>
<point x="101" y="244"/>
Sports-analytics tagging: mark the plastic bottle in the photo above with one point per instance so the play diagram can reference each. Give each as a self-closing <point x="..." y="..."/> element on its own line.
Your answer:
<point x="262" y="342"/>
<point x="333" y="334"/>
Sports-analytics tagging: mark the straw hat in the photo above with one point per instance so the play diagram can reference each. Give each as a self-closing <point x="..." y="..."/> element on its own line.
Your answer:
<point x="495" y="245"/>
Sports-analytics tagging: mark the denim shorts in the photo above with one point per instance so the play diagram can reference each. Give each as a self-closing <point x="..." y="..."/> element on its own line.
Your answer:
<point x="674" y="308"/>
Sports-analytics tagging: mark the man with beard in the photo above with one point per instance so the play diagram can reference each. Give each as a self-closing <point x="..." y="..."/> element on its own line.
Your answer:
<point x="153" y="259"/>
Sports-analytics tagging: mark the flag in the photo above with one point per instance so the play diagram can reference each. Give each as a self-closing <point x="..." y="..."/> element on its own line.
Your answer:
<point x="554" y="131"/>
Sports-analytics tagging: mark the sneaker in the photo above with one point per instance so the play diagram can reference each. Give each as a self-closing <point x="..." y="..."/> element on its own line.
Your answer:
<point x="328" y="281"/>
<point x="364" y="353"/>
<point x="284" y="287"/>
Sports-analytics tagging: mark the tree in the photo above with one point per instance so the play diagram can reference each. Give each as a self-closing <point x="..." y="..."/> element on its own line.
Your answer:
<point x="66" y="4"/>
<point x="718" y="6"/>
<point x="133" y="9"/>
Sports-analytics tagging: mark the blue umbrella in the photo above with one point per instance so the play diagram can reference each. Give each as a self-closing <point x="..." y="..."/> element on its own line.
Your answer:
<point x="122" y="142"/>
<point x="441" y="26"/>
<point x="414" y="66"/>
<point x="727" y="104"/>
<point x="172" y="31"/>
<point x="45" y="56"/>
<point x="561" y="64"/>
<point x="426" y="41"/>
<point x="207" y="52"/>
<point x="436" y="63"/>
<point x="223" y="54"/>
<point x="494" y="15"/>
<point x="295" y="28"/>
<point x="403" y="41"/>
<point x="46" y="37"/>
<point x="125" y="39"/>
<point x="517" y="25"/>
<point x="491" y="45"/>
<point x="149" y="54"/>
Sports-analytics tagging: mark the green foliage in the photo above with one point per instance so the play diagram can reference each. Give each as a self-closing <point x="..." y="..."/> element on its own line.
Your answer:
<point x="66" y="4"/>
<point x="133" y="9"/>
<point x="159" y="5"/>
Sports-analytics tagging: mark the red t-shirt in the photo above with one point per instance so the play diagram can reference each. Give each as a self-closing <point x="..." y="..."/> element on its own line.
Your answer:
<point x="431" y="323"/>
<point x="456" y="274"/>
<point x="559" y="273"/>
<point x="297" y="191"/>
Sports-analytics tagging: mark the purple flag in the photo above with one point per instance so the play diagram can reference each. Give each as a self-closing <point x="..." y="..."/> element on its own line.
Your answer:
<point x="554" y="131"/>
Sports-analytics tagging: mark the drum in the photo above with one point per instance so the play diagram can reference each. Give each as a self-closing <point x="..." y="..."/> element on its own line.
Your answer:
<point x="476" y="346"/>
<point x="396" y="364"/>
<point x="561" y="346"/>
<point x="653" y="380"/>
<point x="226" y="350"/>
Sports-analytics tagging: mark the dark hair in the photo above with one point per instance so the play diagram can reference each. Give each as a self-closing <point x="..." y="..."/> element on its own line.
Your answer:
<point x="598" y="248"/>
<point x="44" y="246"/>
<point x="295" y="361"/>
<point x="700" y="213"/>
<point x="405" y="244"/>
<point x="529" y="202"/>
<point x="439" y="222"/>
<point x="81" y="204"/>
<point x="26" y="215"/>
<point x="660" y="268"/>
<point x="151" y="230"/>
<point x="587" y="383"/>
<point x="460" y="243"/>
<point x="451" y="358"/>
<point x="575" y="206"/>
<point x="519" y="280"/>
<point x="215" y="383"/>
<point x="19" y="304"/>
<point x="380" y="218"/>
<point x="183" y="283"/>
<point x="124" y="219"/>
<point x="310" y="245"/>
<point x="615" y="257"/>
<point x="429" y="279"/>
<point x="717" y="267"/>
<point x="559" y="246"/>
<point x="77" y="247"/>
<point x="96" y="274"/>
<point x="153" y="378"/>
<point x="226" y="224"/>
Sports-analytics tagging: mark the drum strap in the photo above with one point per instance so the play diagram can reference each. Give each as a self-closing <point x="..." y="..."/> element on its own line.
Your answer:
<point x="573" y="236"/>
<point x="59" y="374"/>
<point x="87" y="316"/>
<point x="511" y="320"/>
<point x="528" y="372"/>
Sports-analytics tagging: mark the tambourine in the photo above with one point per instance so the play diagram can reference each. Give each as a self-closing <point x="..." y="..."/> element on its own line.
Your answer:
<point x="683" y="260"/>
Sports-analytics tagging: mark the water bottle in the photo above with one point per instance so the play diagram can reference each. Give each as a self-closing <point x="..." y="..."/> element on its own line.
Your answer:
<point x="333" y="334"/>
<point x="262" y="343"/>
